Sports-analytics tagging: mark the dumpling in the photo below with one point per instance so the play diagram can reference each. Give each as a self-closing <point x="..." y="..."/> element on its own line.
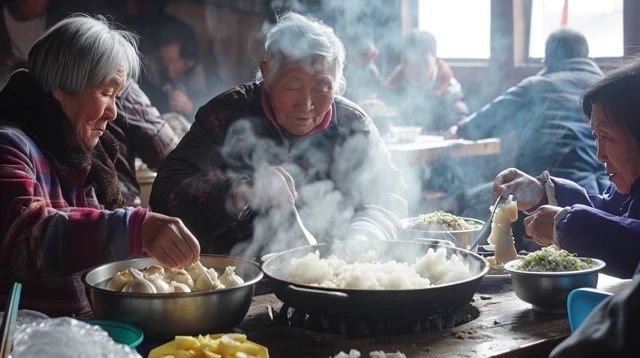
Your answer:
<point x="180" y="276"/>
<point x="139" y="284"/>
<point x="160" y="285"/>
<point x="179" y="287"/>
<point x="154" y="270"/>
<point x="119" y="280"/>
<point x="229" y="277"/>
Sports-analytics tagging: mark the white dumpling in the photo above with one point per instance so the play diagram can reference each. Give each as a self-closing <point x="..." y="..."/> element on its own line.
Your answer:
<point x="179" y="287"/>
<point x="119" y="281"/>
<point x="180" y="276"/>
<point x="139" y="283"/>
<point x="154" y="270"/>
<point x="160" y="285"/>
<point x="229" y="277"/>
<point x="204" y="280"/>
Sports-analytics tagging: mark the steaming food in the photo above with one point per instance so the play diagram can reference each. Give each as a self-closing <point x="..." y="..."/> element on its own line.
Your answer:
<point x="501" y="234"/>
<point x="368" y="273"/>
<point x="158" y="279"/>
<point x="441" y="221"/>
<point x="553" y="259"/>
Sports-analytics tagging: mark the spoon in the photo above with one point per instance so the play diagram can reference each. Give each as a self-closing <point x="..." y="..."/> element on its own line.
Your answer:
<point x="485" y="231"/>
<point x="308" y="235"/>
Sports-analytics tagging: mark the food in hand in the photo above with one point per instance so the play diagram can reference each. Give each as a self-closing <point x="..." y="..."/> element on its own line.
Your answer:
<point x="441" y="221"/>
<point x="553" y="259"/>
<point x="227" y="345"/>
<point x="158" y="279"/>
<point x="501" y="234"/>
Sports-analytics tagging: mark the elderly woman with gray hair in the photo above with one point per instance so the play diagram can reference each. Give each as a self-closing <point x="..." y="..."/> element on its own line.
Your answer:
<point x="61" y="210"/>
<point x="288" y="139"/>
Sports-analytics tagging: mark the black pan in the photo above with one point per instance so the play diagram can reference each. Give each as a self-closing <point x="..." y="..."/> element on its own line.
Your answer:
<point x="373" y="304"/>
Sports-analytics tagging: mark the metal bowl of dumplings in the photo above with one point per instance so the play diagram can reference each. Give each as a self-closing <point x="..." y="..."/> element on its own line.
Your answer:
<point x="165" y="315"/>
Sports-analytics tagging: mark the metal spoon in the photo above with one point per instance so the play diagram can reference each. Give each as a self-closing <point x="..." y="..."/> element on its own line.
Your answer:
<point x="484" y="233"/>
<point x="308" y="235"/>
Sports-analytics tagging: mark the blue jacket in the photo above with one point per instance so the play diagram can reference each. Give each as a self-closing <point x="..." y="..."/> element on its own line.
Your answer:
<point x="549" y="133"/>
<point x="603" y="226"/>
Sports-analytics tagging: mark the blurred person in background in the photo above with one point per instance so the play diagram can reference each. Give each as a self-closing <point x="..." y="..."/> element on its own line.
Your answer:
<point x="21" y="24"/>
<point x="361" y="72"/>
<point x="176" y="80"/>
<point x="61" y="209"/>
<point x="141" y="132"/>
<point x="540" y="124"/>
<point x="563" y="213"/>
<point x="288" y="139"/>
<point x="422" y="87"/>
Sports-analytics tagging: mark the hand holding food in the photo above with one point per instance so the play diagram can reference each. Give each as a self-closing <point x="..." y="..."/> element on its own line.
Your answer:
<point x="211" y="346"/>
<point x="539" y="225"/>
<point x="170" y="242"/>
<point x="528" y="190"/>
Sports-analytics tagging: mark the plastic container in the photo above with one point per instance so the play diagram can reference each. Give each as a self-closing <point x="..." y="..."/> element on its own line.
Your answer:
<point x="120" y="332"/>
<point x="581" y="302"/>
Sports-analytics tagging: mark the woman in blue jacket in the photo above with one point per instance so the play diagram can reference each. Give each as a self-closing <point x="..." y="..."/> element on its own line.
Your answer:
<point x="560" y="212"/>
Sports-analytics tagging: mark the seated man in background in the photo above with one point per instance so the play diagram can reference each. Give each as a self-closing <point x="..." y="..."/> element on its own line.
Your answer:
<point x="177" y="81"/>
<point x="140" y="132"/>
<point x="543" y="114"/>
<point x="361" y="71"/>
<point x="540" y="121"/>
<point x="422" y="86"/>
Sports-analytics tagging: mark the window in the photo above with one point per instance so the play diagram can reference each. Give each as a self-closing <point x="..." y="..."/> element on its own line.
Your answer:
<point x="599" y="21"/>
<point x="462" y="27"/>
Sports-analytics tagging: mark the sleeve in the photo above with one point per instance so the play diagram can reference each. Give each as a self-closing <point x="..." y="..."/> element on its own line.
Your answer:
<point x="609" y="331"/>
<point x="193" y="184"/>
<point x="497" y="117"/>
<point x="41" y="241"/>
<point x="150" y="136"/>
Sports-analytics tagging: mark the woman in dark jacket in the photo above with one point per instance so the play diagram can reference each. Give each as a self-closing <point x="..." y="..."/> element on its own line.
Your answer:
<point x="287" y="139"/>
<point x="604" y="226"/>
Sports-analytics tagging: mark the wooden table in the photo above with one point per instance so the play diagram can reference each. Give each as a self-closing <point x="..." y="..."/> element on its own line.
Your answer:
<point x="429" y="148"/>
<point x="506" y="327"/>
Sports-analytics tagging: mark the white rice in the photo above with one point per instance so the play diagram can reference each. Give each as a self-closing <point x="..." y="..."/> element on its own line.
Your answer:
<point x="367" y="273"/>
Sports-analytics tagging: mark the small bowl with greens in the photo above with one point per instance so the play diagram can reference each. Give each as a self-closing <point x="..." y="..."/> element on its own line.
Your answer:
<point x="441" y="225"/>
<point x="544" y="278"/>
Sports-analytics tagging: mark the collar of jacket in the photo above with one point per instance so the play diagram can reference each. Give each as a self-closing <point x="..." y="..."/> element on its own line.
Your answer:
<point x="24" y="104"/>
<point x="572" y="64"/>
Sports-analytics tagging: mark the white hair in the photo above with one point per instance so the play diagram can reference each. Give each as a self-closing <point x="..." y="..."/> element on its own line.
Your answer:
<point x="81" y="51"/>
<point x="298" y="39"/>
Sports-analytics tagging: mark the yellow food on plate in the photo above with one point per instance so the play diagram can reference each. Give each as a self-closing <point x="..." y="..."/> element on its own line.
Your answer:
<point x="229" y="345"/>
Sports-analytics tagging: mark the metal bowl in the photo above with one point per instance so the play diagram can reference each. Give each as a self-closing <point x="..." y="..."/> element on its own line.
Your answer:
<point x="165" y="315"/>
<point x="547" y="291"/>
<point x="460" y="238"/>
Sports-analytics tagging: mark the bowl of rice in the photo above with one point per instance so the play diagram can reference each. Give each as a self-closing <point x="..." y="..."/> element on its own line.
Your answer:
<point x="443" y="226"/>
<point x="544" y="278"/>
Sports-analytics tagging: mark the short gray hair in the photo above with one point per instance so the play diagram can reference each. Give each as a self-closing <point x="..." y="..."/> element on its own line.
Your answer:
<point x="301" y="39"/>
<point x="81" y="51"/>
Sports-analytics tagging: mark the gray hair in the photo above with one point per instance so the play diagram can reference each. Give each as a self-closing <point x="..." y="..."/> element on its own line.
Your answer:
<point x="304" y="40"/>
<point x="81" y="51"/>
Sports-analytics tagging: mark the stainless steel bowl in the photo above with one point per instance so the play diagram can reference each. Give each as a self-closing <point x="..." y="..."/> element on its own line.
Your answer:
<point x="547" y="291"/>
<point x="460" y="238"/>
<point x="169" y="314"/>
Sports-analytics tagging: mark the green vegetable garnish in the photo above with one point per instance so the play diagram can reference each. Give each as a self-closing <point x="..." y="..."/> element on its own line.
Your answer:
<point x="552" y="259"/>
<point x="441" y="221"/>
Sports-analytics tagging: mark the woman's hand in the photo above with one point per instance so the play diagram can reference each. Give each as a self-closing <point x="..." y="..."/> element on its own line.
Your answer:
<point x="528" y="191"/>
<point x="540" y="224"/>
<point x="179" y="102"/>
<point x="169" y="241"/>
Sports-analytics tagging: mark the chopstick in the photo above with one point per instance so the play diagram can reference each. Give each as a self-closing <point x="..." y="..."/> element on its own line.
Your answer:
<point x="9" y="320"/>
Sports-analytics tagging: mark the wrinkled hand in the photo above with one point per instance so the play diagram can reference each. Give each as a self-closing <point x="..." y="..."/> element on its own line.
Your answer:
<point x="169" y="241"/>
<point x="540" y="225"/>
<point x="528" y="191"/>
<point x="179" y="102"/>
<point x="273" y="187"/>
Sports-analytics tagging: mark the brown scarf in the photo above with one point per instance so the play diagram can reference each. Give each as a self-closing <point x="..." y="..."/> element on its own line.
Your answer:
<point x="39" y="114"/>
